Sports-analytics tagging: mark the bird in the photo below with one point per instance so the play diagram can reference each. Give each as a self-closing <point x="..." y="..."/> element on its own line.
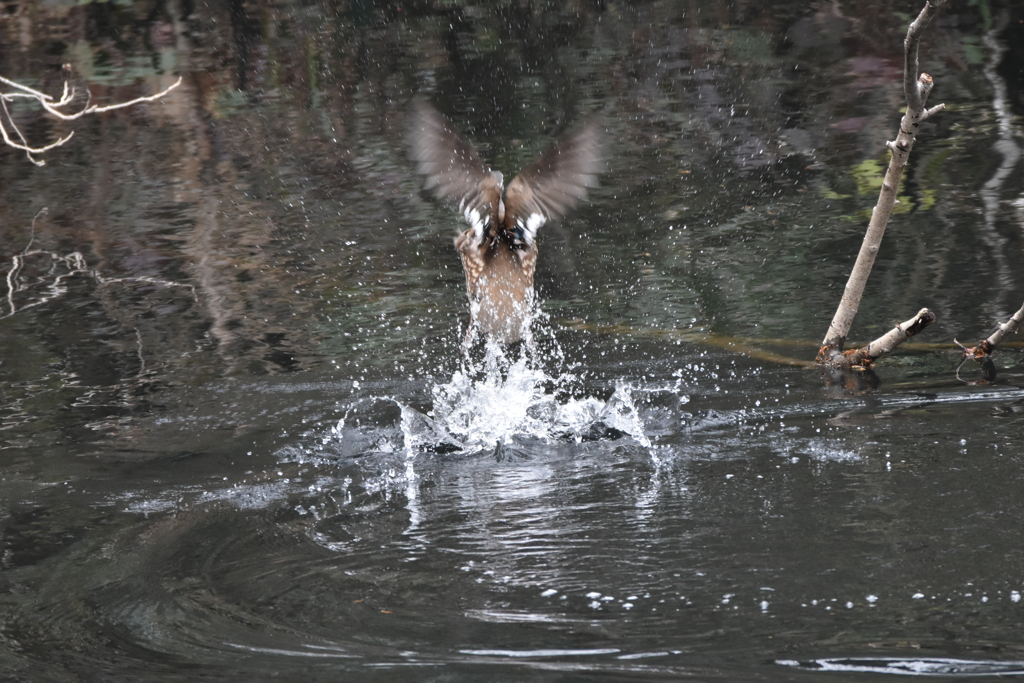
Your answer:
<point x="499" y="249"/>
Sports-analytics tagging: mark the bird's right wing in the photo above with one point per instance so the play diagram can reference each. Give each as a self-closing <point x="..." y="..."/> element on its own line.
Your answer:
<point x="554" y="183"/>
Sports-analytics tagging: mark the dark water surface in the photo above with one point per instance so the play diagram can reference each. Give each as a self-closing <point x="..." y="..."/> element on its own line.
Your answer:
<point x="237" y="439"/>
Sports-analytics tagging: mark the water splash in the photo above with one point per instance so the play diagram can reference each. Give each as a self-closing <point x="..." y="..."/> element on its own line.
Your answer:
<point x="503" y="400"/>
<point x="932" y="666"/>
<point x="500" y="401"/>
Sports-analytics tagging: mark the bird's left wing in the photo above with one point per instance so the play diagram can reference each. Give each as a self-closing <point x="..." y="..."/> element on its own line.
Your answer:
<point x="452" y="168"/>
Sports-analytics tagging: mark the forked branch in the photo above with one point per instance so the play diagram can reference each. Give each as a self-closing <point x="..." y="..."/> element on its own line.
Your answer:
<point x="12" y="134"/>
<point x="916" y="89"/>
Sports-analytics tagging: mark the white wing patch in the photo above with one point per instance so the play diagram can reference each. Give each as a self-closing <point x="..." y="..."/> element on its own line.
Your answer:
<point x="529" y="227"/>
<point x="475" y="221"/>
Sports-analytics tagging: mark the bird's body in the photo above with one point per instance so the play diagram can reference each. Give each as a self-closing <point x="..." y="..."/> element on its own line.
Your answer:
<point x="499" y="250"/>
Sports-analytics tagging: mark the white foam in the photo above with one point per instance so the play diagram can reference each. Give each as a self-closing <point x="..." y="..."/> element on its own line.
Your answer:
<point x="508" y="401"/>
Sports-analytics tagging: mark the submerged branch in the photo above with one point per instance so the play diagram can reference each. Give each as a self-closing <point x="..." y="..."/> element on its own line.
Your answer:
<point x="754" y="347"/>
<point x="916" y="89"/>
<point x="747" y="346"/>
<point x="12" y="134"/>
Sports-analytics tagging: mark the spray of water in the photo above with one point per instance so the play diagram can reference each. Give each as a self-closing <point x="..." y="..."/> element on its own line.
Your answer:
<point x="502" y="399"/>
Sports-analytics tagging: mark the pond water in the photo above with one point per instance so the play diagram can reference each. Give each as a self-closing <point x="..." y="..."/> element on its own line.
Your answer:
<point x="239" y="439"/>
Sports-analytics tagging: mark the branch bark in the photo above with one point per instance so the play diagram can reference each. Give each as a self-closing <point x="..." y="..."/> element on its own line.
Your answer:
<point x="916" y="88"/>
<point x="866" y="355"/>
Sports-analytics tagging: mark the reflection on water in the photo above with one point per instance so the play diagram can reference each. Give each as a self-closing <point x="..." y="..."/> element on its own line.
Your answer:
<point x="238" y="438"/>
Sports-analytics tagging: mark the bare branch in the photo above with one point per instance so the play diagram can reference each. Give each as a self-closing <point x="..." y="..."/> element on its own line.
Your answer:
<point x="913" y="87"/>
<point x="35" y="94"/>
<point x="1007" y="328"/>
<point x="934" y="110"/>
<point x="18" y="141"/>
<point x="916" y="89"/>
<point x="866" y="355"/>
<point x="986" y="346"/>
<point x="96" y="109"/>
<point x="24" y="146"/>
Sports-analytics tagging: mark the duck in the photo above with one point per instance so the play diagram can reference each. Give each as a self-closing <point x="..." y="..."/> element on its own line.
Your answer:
<point x="499" y="248"/>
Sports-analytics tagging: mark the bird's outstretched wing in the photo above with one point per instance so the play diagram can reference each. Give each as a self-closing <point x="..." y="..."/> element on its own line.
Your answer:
<point x="554" y="183"/>
<point x="452" y="168"/>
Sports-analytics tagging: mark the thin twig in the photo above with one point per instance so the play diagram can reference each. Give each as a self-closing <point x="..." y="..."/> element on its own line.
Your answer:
<point x="35" y="94"/>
